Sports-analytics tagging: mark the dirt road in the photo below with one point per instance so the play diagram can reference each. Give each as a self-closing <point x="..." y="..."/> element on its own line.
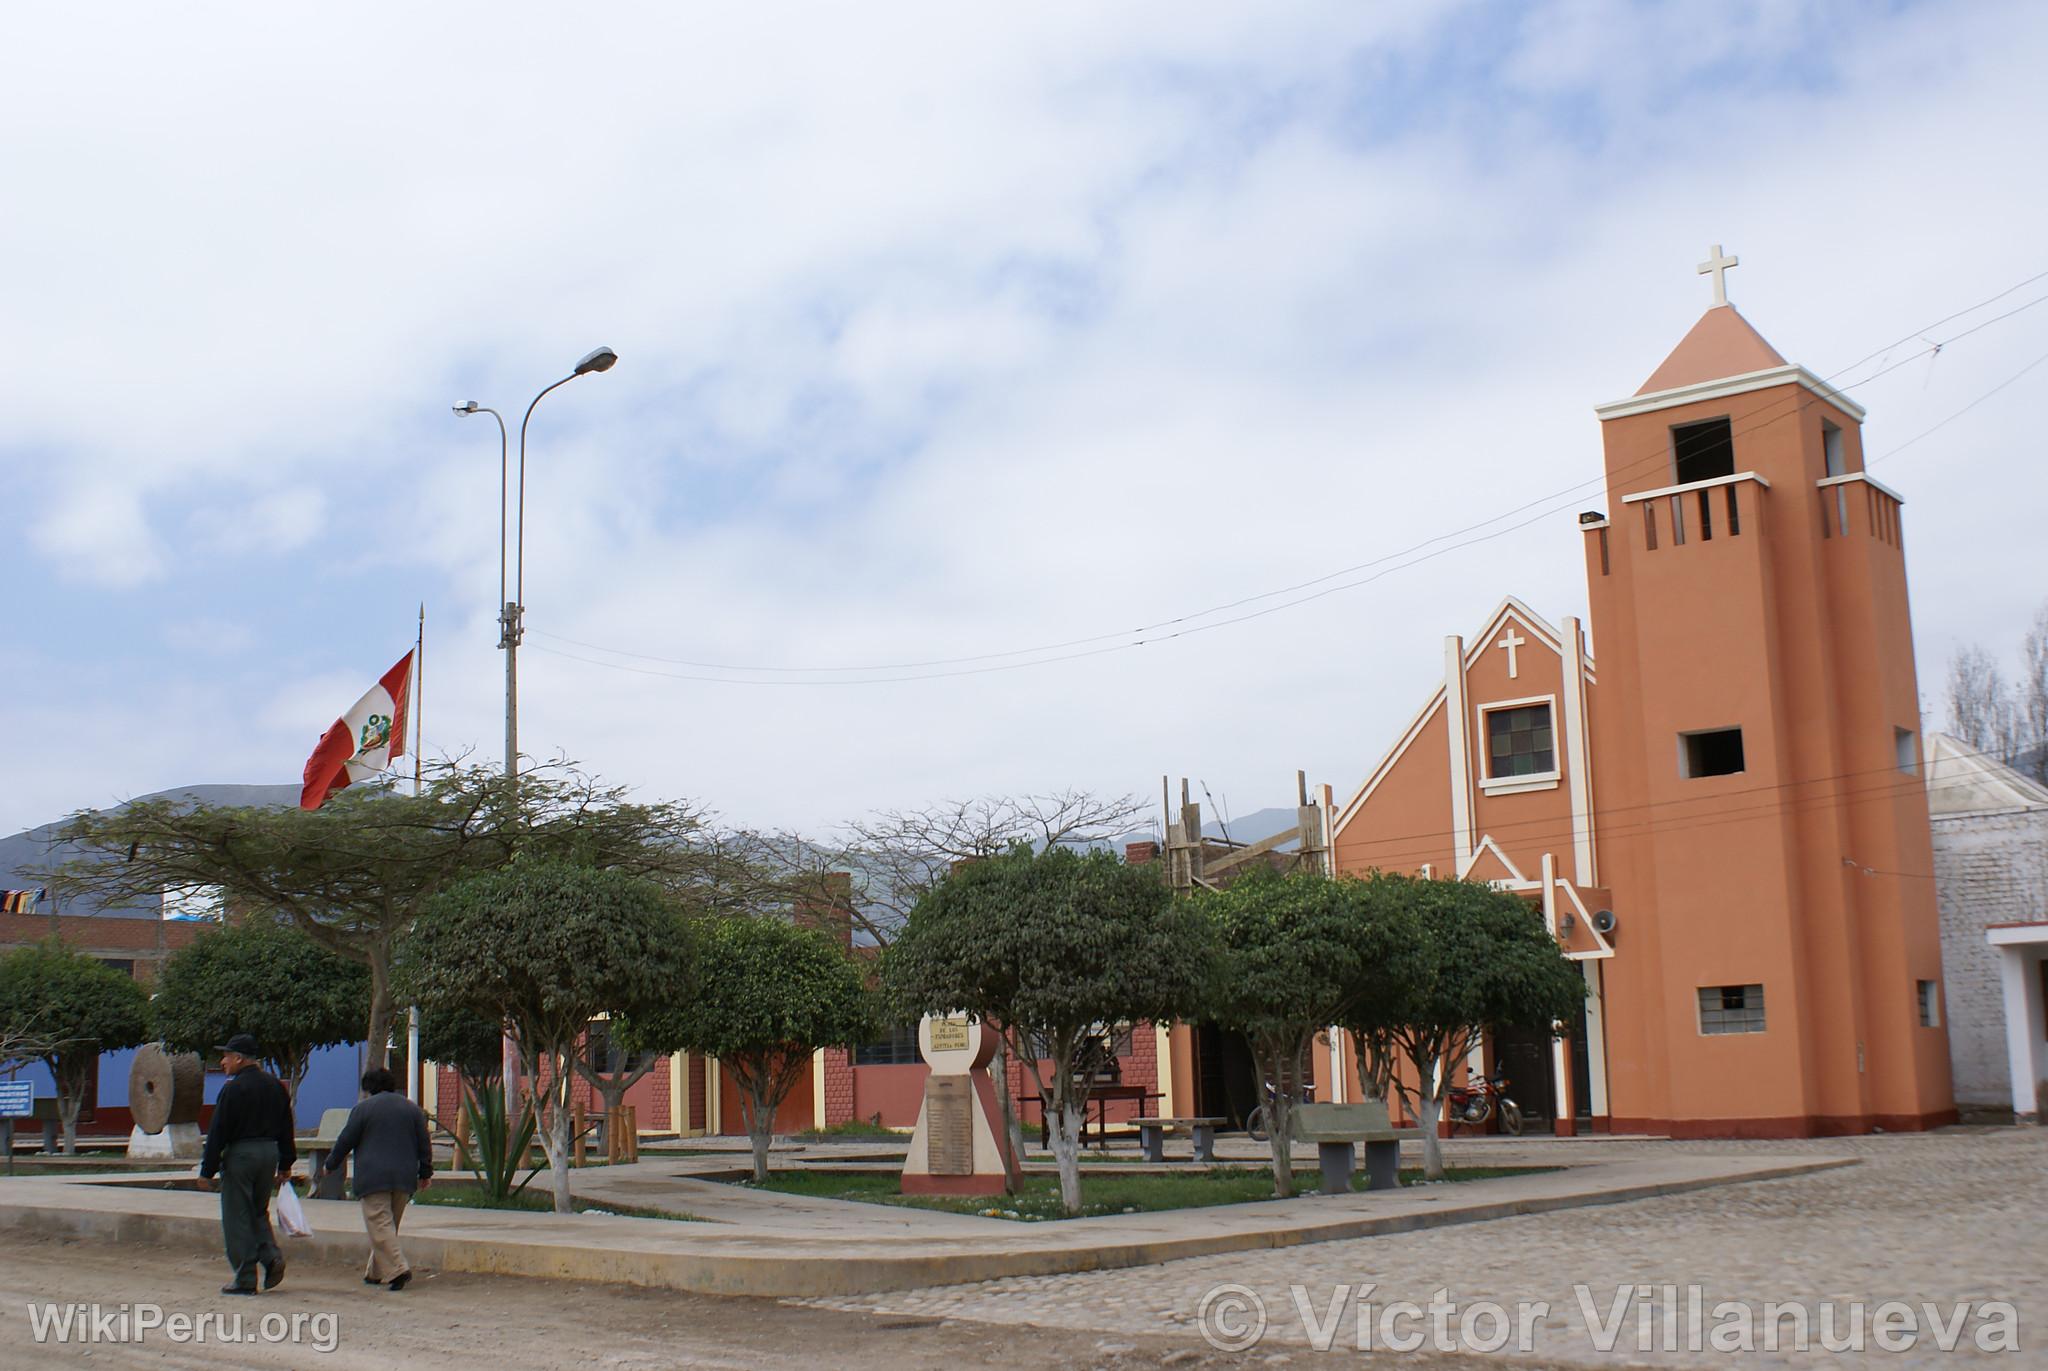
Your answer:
<point x="503" y="1323"/>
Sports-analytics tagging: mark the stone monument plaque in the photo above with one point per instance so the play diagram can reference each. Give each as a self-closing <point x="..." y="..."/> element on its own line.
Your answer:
<point x="949" y="1134"/>
<point x="949" y="1035"/>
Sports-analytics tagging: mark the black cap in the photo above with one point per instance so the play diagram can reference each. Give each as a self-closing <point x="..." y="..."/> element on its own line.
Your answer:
<point x="242" y="1045"/>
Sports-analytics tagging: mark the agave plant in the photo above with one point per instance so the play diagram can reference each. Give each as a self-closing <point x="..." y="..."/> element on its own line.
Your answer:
<point x="500" y="1145"/>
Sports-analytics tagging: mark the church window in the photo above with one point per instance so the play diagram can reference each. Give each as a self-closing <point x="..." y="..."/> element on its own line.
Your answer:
<point x="1520" y="742"/>
<point x="897" y="1047"/>
<point x="1831" y="449"/>
<point x="1713" y="752"/>
<point x="1731" y="1009"/>
<point x="1703" y="451"/>
<point x="1734" y="515"/>
<point x="1929" y="997"/>
<point x="1908" y="754"/>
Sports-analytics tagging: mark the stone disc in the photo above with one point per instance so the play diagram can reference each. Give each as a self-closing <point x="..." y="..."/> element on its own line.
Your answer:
<point x="164" y="1087"/>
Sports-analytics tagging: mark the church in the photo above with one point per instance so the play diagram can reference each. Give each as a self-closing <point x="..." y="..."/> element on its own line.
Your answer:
<point x="1712" y="786"/>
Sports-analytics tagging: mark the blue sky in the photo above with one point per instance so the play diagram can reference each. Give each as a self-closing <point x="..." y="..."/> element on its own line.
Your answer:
<point x="942" y="334"/>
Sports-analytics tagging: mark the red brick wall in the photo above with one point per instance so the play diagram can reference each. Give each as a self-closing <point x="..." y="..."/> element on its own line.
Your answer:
<point x="838" y="1085"/>
<point x="143" y="941"/>
<point x="695" y="1069"/>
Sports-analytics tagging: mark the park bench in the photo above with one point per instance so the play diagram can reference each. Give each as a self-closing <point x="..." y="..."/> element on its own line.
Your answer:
<point x="1336" y="1128"/>
<point x="43" y="1112"/>
<point x="326" y="1187"/>
<point x="1152" y="1136"/>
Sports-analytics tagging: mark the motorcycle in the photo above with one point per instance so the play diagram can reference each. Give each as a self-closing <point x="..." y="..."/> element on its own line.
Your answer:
<point x="1479" y="1100"/>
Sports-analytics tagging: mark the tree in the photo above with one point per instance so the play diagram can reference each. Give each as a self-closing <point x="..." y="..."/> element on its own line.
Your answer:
<point x="468" y="1041"/>
<point x="1054" y="950"/>
<point x="897" y="857"/>
<point x="71" y="1007"/>
<point x="770" y="994"/>
<point x="546" y="946"/>
<point x="265" y="978"/>
<point x="2006" y="719"/>
<point x="1465" y="957"/>
<point x="1296" y="952"/>
<point x="354" y="873"/>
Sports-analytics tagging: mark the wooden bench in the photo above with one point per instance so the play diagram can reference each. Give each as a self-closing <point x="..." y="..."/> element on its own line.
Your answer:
<point x="1152" y="1136"/>
<point x="1335" y="1128"/>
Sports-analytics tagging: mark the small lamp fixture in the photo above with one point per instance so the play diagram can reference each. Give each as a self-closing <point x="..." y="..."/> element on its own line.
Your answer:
<point x="603" y="359"/>
<point x="1592" y="516"/>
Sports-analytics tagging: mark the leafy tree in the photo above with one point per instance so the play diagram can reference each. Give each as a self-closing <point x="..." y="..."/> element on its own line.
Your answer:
<point x="1467" y="958"/>
<point x="1296" y="952"/>
<point x="466" y="1040"/>
<point x="770" y="994"/>
<point x="264" y="978"/>
<point x="546" y="946"/>
<point x="354" y="873"/>
<point x="1052" y="949"/>
<point x="68" y="1008"/>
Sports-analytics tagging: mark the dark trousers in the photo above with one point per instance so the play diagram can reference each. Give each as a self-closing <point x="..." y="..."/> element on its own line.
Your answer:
<point x="248" y="1170"/>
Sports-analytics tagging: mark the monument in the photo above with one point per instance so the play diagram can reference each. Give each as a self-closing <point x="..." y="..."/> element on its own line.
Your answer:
<point x="165" y="1090"/>
<point x="959" y="1146"/>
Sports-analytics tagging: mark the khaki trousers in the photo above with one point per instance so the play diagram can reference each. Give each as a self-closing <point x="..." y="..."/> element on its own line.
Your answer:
<point x="381" y="1213"/>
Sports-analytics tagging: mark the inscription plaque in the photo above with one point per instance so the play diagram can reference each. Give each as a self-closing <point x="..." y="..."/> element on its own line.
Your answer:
<point x="949" y="1035"/>
<point x="949" y="1125"/>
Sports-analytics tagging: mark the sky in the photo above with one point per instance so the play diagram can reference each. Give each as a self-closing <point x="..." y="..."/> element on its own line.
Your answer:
<point x="946" y="334"/>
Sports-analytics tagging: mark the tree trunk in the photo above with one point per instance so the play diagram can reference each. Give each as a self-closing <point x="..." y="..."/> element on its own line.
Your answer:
<point x="377" y="1046"/>
<point x="760" y="1127"/>
<point x="1277" y="1064"/>
<point x="1069" y="1116"/>
<point x="1430" y="1076"/>
<point x="70" y="1099"/>
<point x="1013" y="1132"/>
<point x="553" y="1104"/>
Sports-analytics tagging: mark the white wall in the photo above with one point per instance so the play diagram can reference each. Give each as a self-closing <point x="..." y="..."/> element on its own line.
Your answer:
<point x="1989" y="869"/>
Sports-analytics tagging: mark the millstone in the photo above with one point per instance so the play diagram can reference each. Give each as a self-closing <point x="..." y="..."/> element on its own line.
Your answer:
<point x="165" y="1088"/>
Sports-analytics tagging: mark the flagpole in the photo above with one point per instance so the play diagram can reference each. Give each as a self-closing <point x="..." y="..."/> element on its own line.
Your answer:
<point x="415" y="1075"/>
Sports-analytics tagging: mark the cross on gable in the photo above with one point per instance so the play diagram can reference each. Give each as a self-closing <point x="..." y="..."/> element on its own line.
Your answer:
<point x="1718" y="265"/>
<point x="1510" y="641"/>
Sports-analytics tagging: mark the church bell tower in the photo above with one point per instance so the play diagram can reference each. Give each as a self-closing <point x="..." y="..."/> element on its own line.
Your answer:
<point x="1757" y="798"/>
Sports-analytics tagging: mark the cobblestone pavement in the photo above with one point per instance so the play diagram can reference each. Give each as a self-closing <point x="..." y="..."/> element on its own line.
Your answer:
<point x="1929" y="1219"/>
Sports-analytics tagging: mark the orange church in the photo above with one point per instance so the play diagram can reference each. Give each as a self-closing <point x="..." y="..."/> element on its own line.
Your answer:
<point x="1722" y="817"/>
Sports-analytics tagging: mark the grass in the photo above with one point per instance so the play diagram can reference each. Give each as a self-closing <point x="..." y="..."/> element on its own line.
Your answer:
<point x="1100" y="1194"/>
<point x="851" y="1128"/>
<point x="455" y="1195"/>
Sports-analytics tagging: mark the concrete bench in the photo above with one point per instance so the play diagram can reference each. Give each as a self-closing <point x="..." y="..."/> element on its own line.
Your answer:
<point x="1152" y="1136"/>
<point x="1336" y="1128"/>
<point x="326" y="1187"/>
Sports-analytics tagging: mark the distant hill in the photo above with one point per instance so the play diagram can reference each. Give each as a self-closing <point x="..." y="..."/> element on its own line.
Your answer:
<point x="1242" y="828"/>
<point x="35" y="848"/>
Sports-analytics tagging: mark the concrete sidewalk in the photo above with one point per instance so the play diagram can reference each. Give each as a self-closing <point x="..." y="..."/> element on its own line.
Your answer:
<point x="766" y="1244"/>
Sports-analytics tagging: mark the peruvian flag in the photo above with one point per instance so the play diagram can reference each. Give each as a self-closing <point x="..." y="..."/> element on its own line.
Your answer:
<point x="364" y="741"/>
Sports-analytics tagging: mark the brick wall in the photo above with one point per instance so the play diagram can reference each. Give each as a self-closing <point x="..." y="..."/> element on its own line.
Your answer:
<point x="838" y="1085"/>
<point x="1988" y="869"/>
<point x="146" y="942"/>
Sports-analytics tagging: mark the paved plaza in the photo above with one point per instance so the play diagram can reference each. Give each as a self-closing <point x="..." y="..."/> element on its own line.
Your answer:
<point x="1945" y="1217"/>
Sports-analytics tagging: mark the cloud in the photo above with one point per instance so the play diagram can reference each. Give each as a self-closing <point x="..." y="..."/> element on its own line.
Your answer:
<point x="942" y="334"/>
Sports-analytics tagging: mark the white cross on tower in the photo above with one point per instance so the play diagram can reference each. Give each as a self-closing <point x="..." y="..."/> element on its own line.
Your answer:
<point x="1718" y="265"/>
<point x="1510" y="640"/>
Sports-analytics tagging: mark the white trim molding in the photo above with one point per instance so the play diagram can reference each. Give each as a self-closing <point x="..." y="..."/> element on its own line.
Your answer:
<point x="1480" y="849"/>
<point x="1847" y="478"/>
<point x="1707" y="484"/>
<point x="1577" y="753"/>
<point x="1460" y="751"/>
<point x="1726" y="386"/>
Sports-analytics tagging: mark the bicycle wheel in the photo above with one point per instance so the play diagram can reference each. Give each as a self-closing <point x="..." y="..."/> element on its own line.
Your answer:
<point x="1511" y="1118"/>
<point x="1255" y="1124"/>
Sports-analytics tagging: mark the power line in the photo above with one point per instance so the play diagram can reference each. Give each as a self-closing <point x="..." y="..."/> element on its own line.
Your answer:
<point x="1188" y="624"/>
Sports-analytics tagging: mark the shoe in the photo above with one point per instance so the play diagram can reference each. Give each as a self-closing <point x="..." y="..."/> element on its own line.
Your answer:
<point x="371" y="1280"/>
<point x="273" y="1273"/>
<point x="238" y="1290"/>
<point x="398" y="1281"/>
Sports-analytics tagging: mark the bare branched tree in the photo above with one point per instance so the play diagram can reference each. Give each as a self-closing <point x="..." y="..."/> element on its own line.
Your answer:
<point x="2006" y="719"/>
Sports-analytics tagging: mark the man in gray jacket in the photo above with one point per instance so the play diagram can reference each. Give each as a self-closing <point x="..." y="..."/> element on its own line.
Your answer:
<point x="388" y="1134"/>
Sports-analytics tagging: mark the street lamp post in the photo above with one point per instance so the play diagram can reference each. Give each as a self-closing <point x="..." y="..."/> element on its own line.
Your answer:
<point x="512" y="612"/>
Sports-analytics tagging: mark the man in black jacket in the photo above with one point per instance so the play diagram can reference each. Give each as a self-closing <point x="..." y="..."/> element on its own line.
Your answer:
<point x="251" y="1141"/>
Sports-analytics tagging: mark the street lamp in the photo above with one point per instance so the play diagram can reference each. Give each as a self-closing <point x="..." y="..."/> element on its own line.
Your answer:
<point x="512" y="614"/>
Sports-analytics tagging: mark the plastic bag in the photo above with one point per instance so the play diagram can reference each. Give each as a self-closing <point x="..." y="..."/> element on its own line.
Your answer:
<point x="291" y="1215"/>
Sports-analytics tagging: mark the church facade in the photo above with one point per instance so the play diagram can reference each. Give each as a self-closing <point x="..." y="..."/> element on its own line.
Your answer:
<point x="1722" y="817"/>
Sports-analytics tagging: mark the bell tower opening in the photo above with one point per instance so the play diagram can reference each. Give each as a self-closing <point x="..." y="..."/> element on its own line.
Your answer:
<point x="1703" y="451"/>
